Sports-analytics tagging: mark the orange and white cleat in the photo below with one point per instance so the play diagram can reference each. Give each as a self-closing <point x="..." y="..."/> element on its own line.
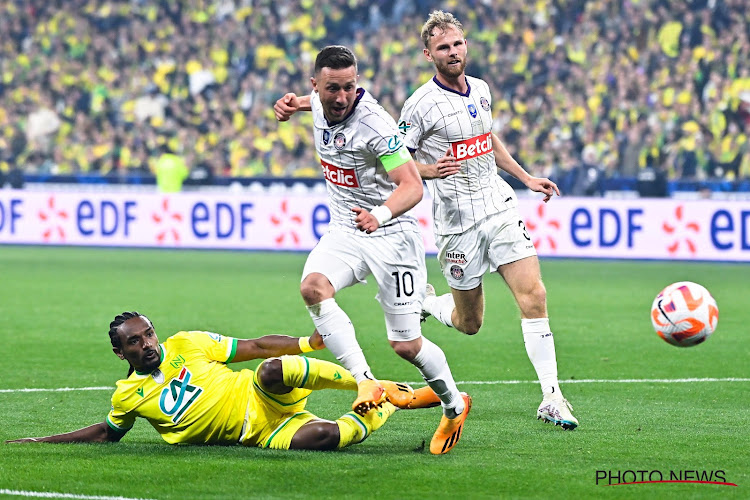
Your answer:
<point x="449" y="431"/>
<point x="370" y="394"/>
<point x="399" y="394"/>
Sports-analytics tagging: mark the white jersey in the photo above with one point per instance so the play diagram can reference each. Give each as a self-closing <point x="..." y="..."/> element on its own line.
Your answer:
<point x="436" y="119"/>
<point x="356" y="155"/>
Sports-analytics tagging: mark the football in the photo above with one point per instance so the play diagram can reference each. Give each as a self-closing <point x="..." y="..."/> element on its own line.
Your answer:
<point x="684" y="314"/>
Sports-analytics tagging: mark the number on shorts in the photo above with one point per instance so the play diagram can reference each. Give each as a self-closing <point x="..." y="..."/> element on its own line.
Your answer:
<point x="523" y="228"/>
<point x="404" y="282"/>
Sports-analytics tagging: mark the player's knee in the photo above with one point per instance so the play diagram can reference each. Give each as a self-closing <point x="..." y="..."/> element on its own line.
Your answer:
<point x="534" y="303"/>
<point x="540" y="294"/>
<point x="317" y="435"/>
<point x="271" y="373"/>
<point x="471" y="327"/>
<point x="407" y="350"/>
<point x="315" y="289"/>
<point x="469" y="324"/>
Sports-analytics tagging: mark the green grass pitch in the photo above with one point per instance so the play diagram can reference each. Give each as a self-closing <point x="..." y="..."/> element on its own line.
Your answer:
<point x="56" y="303"/>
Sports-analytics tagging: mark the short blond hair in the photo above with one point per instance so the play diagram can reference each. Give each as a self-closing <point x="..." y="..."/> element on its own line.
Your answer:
<point x="442" y="21"/>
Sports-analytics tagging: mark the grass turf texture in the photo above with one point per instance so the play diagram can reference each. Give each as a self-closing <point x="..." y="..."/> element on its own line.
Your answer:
<point x="56" y="303"/>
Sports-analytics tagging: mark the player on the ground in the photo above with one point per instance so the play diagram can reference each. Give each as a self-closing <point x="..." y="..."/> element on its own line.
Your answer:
<point x="372" y="184"/>
<point x="447" y="125"/>
<point x="188" y="394"/>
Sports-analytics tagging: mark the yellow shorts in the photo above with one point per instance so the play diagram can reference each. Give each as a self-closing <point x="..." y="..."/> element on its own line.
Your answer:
<point x="271" y="420"/>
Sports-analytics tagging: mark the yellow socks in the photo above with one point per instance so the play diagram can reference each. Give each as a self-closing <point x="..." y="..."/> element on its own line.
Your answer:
<point x="315" y="374"/>
<point x="354" y="428"/>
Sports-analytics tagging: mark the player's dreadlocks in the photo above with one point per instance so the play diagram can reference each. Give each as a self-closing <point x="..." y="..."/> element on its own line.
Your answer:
<point x="114" y="337"/>
<point x="440" y="20"/>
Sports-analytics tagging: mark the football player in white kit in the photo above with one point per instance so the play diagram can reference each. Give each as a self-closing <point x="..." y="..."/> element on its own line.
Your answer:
<point x="372" y="183"/>
<point x="446" y="124"/>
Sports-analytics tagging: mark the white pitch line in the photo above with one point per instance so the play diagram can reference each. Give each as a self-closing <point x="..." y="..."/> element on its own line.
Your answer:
<point x="610" y="381"/>
<point x="469" y="382"/>
<point x="60" y="389"/>
<point x="50" y="494"/>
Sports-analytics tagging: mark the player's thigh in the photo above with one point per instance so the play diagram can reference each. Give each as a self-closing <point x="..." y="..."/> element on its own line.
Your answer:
<point x="280" y="438"/>
<point x="469" y="303"/>
<point x="509" y="241"/>
<point x="463" y="258"/>
<point x="522" y="276"/>
<point x="269" y="414"/>
<point x="337" y="256"/>
<point x="397" y="263"/>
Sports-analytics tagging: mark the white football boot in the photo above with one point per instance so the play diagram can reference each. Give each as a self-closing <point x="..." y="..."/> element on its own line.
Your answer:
<point x="557" y="411"/>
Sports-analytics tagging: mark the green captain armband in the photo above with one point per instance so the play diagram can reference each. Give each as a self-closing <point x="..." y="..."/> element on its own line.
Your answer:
<point x="396" y="159"/>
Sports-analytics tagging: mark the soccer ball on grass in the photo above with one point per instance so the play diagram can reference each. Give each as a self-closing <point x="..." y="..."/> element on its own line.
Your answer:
<point x="684" y="314"/>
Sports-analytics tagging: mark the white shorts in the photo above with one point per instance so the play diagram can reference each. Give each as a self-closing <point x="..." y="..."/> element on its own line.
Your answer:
<point x="499" y="239"/>
<point x="395" y="260"/>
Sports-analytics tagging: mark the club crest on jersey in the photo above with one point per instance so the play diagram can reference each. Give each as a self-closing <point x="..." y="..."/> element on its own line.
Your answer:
<point x="485" y="104"/>
<point x="339" y="141"/>
<point x="326" y="137"/>
<point x="179" y="395"/>
<point x="457" y="272"/>
<point x="472" y="110"/>
<point x="404" y="126"/>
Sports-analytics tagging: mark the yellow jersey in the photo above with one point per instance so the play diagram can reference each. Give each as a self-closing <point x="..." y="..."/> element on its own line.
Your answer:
<point x="193" y="397"/>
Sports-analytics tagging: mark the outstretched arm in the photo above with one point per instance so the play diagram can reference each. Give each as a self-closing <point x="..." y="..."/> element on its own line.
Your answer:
<point x="290" y="104"/>
<point x="505" y="161"/>
<point x="97" y="433"/>
<point x="270" y="346"/>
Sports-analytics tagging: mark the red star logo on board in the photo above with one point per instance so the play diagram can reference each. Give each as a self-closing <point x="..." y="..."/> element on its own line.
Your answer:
<point x="53" y="217"/>
<point x="681" y="230"/>
<point x="542" y="222"/>
<point x="283" y="220"/>
<point x="168" y="222"/>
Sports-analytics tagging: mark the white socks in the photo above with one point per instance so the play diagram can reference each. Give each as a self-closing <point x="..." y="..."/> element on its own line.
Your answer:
<point x="434" y="368"/>
<point x="441" y="307"/>
<point x="540" y="346"/>
<point x="337" y="331"/>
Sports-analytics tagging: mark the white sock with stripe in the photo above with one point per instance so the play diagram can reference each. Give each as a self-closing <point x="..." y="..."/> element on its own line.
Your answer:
<point x="434" y="368"/>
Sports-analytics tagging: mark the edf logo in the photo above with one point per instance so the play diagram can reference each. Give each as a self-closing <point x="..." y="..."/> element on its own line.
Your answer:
<point x="10" y="213"/>
<point x="609" y="226"/>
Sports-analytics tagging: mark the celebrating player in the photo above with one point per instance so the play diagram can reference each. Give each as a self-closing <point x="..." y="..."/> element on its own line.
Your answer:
<point x="372" y="184"/>
<point x="447" y="126"/>
<point x="188" y="394"/>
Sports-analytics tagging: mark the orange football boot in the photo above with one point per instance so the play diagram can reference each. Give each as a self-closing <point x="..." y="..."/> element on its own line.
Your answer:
<point x="370" y="393"/>
<point x="449" y="431"/>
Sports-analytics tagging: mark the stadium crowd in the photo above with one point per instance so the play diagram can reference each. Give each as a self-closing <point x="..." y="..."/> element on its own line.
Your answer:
<point x="583" y="90"/>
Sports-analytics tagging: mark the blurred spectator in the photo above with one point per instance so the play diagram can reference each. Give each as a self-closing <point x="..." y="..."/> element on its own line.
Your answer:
<point x="170" y="170"/>
<point x="108" y="82"/>
<point x="652" y="182"/>
<point x="587" y="178"/>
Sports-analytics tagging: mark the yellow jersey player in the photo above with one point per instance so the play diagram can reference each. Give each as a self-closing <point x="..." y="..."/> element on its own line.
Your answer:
<point x="185" y="390"/>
